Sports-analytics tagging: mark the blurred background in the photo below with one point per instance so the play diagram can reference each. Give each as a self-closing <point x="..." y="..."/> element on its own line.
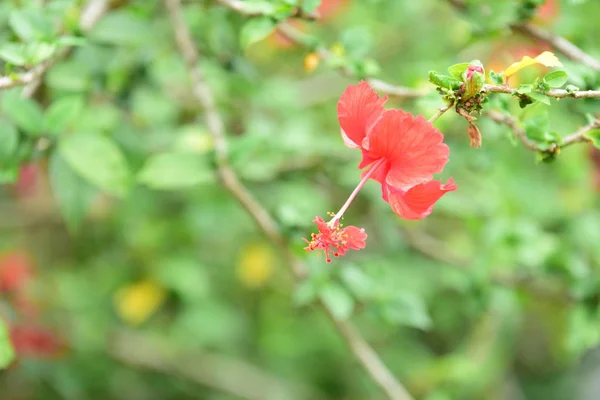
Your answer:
<point x="128" y="272"/>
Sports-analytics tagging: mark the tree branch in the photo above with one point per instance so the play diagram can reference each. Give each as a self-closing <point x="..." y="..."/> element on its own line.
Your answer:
<point x="359" y="347"/>
<point x="575" y="137"/>
<point x="556" y="93"/>
<point x="216" y="371"/>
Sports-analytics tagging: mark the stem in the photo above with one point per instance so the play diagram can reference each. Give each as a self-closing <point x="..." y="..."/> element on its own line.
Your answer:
<point x="356" y="190"/>
<point x="440" y="111"/>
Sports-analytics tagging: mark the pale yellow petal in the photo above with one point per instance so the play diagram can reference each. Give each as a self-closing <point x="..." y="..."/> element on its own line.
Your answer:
<point x="546" y="58"/>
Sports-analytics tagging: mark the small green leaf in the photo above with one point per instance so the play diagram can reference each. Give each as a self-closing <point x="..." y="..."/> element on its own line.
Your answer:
<point x="457" y="70"/>
<point x="7" y="354"/>
<point x="255" y="30"/>
<point x="72" y="193"/>
<point x="444" y="81"/>
<point x="337" y="300"/>
<point x="30" y="25"/>
<point x="537" y="96"/>
<point x="35" y="53"/>
<point x="98" y="160"/>
<point x="496" y="78"/>
<point x="9" y="140"/>
<point x="172" y="171"/>
<point x="305" y="293"/>
<point x="525" y="89"/>
<point x="594" y="136"/>
<point x="121" y="28"/>
<point x="356" y="281"/>
<point x="406" y="309"/>
<point x="62" y="113"/>
<point x="556" y="79"/>
<point x="309" y="6"/>
<point x="25" y="113"/>
<point x="571" y="89"/>
<point x="259" y="7"/>
<point x="14" y="54"/>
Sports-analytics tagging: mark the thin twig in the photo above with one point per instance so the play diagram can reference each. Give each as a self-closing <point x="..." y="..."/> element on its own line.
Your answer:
<point x="556" y="93"/>
<point x="440" y="111"/>
<point x="519" y="132"/>
<point x="217" y="371"/>
<point x="359" y="347"/>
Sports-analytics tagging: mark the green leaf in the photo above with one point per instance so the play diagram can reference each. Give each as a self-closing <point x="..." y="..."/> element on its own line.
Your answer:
<point x="9" y="140"/>
<point x="25" y="113"/>
<point x="121" y="28"/>
<point x="536" y="122"/>
<point x="457" y="70"/>
<point x="255" y="30"/>
<point x="62" y="113"/>
<point x="177" y="170"/>
<point x="309" y="6"/>
<point x="594" y="136"/>
<point x="98" y="160"/>
<point x="356" y="281"/>
<point x="337" y="300"/>
<point x="406" y="309"/>
<point x="35" y="53"/>
<point x="444" y="81"/>
<point x="259" y="7"/>
<point x="305" y="293"/>
<point x="7" y="354"/>
<point x="30" y="25"/>
<point x="13" y="53"/>
<point x="72" y="193"/>
<point x="556" y="79"/>
<point x="537" y="96"/>
<point x="496" y="78"/>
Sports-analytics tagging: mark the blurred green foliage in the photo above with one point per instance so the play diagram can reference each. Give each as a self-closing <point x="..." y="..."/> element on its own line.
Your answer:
<point x="147" y="280"/>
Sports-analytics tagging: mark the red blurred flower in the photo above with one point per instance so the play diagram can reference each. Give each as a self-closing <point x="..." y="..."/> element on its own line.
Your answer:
<point x="31" y="340"/>
<point x="334" y="239"/>
<point x="402" y="151"/>
<point x="15" y="270"/>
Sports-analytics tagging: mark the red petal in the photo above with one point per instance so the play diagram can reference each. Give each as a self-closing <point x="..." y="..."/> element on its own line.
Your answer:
<point x="418" y="201"/>
<point x="359" y="109"/>
<point x="356" y="237"/>
<point x="412" y="146"/>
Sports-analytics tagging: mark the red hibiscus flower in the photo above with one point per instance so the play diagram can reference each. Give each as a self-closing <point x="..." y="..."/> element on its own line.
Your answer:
<point x="334" y="239"/>
<point x="400" y="151"/>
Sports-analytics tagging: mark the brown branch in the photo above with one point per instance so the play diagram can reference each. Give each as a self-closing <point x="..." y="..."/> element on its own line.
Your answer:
<point x="210" y="369"/>
<point x="556" y="93"/>
<point x="575" y="137"/>
<point x="359" y="347"/>
<point x="557" y="42"/>
<point x="243" y="8"/>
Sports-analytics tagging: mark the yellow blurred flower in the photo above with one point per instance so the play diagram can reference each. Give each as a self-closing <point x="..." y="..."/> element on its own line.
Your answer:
<point x="546" y="59"/>
<point x="311" y="61"/>
<point x="135" y="303"/>
<point x="255" y="265"/>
